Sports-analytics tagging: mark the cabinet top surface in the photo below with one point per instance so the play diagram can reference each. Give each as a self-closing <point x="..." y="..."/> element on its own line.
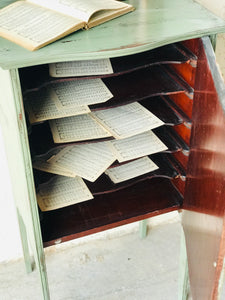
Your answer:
<point x="152" y="24"/>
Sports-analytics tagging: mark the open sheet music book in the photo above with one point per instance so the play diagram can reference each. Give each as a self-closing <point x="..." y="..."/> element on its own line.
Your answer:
<point x="33" y="24"/>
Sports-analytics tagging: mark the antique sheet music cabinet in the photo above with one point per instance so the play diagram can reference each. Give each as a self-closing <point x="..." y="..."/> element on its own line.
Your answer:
<point x="162" y="57"/>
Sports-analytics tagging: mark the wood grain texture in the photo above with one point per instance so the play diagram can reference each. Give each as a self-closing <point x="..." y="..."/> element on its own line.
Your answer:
<point x="206" y="171"/>
<point x="143" y="200"/>
<point x="203" y="218"/>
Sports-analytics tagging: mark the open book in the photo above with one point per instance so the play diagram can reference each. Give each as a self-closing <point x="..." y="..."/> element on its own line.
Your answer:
<point x="33" y="24"/>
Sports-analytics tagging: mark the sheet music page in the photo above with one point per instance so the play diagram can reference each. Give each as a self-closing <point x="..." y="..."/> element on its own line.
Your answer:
<point x="87" y="160"/>
<point x="84" y="8"/>
<point x="81" y="68"/>
<point x="131" y="170"/>
<point x="42" y="165"/>
<point x="40" y="107"/>
<point x="77" y="128"/>
<point x="81" y="9"/>
<point x="127" y="120"/>
<point x="80" y="92"/>
<point x="62" y="191"/>
<point x="40" y="162"/>
<point x="137" y="146"/>
<point x="33" y="25"/>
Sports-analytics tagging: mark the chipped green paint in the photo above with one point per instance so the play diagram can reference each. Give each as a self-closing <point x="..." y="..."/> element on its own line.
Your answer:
<point x="14" y="131"/>
<point x="154" y="23"/>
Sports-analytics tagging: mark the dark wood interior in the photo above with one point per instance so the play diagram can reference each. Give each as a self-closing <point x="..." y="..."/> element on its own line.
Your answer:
<point x="143" y="200"/>
<point x="206" y="167"/>
<point x="168" y="82"/>
<point x="173" y="53"/>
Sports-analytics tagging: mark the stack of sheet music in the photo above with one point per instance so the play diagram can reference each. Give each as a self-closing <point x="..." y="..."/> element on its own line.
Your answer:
<point x="65" y="105"/>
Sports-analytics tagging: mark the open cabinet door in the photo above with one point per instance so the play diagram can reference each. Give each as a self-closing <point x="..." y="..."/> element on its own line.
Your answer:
<point x="204" y="201"/>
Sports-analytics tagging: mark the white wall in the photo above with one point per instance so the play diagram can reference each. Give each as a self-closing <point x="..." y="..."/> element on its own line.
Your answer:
<point x="10" y="245"/>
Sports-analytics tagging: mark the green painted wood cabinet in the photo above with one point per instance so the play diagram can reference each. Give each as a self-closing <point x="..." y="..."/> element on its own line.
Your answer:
<point x="153" y="24"/>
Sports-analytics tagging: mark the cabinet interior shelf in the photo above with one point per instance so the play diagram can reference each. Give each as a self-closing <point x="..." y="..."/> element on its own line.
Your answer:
<point x="146" y="199"/>
<point x="161" y="80"/>
<point x="37" y="77"/>
<point x="42" y="141"/>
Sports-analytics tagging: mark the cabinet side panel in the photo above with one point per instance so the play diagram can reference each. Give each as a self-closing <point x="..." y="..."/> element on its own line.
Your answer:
<point x="204" y="197"/>
<point x="16" y="143"/>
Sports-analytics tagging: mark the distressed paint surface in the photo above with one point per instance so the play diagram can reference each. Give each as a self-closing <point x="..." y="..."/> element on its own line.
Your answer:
<point x="152" y="24"/>
<point x="14" y="131"/>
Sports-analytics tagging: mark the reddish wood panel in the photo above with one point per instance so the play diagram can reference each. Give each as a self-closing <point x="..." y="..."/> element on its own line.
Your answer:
<point x="206" y="172"/>
<point x="184" y="103"/>
<point x="154" y="81"/>
<point x="182" y="158"/>
<point x="193" y="46"/>
<point x="203" y="218"/>
<point x="179" y="184"/>
<point x="186" y="71"/>
<point x="184" y="132"/>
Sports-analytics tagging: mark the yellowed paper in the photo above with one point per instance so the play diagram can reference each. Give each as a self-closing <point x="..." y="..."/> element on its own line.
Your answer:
<point x="81" y="9"/>
<point x="105" y="15"/>
<point x="33" y="26"/>
<point x="81" y="68"/>
<point x="137" y="146"/>
<point x="62" y="191"/>
<point x="127" y="120"/>
<point x="131" y="170"/>
<point x="86" y="160"/>
<point x="40" y="107"/>
<point x="77" y="128"/>
<point x="45" y="166"/>
<point x="36" y="23"/>
<point x="80" y="92"/>
<point x="42" y="163"/>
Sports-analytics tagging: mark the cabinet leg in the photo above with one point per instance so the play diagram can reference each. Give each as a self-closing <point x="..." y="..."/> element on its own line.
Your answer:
<point x="205" y="240"/>
<point x="183" y="271"/>
<point x="143" y="228"/>
<point x="15" y="133"/>
<point x="26" y="253"/>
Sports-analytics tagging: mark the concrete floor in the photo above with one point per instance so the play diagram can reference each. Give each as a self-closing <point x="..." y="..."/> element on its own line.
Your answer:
<point x="117" y="267"/>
